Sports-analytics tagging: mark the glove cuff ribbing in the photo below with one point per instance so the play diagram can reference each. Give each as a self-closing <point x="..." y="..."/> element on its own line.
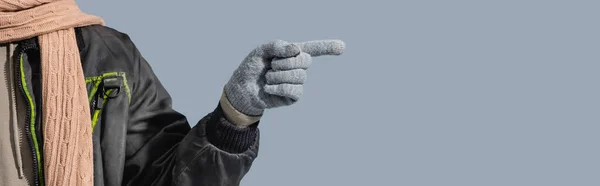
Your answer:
<point x="233" y="115"/>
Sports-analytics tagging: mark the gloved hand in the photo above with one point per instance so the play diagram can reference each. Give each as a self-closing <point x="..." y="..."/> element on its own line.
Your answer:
<point x="273" y="75"/>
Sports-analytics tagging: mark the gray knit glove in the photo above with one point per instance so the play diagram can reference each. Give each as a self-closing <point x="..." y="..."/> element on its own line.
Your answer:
<point x="273" y="74"/>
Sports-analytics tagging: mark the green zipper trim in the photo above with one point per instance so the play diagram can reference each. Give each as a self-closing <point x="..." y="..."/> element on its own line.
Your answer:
<point x="93" y="91"/>
<point x="95" y="79"/>
<point x="98" y="111"/>
<point x="32" y="122"/>
<point x="98" y="79"/>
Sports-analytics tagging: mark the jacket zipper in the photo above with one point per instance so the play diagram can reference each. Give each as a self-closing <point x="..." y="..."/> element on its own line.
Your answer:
<point x="18" y="60"/>
<point x="11" y="82"/>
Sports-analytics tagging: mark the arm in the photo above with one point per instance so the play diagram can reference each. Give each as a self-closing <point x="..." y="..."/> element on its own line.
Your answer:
<point x="219" y="150"/>
<point x="162" y="149"/>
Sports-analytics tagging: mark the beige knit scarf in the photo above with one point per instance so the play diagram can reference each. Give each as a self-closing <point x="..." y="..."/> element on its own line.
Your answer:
<point x="68" y="149"/>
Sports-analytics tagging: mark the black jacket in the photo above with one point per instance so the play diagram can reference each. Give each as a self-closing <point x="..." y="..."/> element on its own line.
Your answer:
<point x="139" y="139"/>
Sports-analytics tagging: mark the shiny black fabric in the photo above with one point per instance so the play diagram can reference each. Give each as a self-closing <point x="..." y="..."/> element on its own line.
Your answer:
<point x="139" y="139"/>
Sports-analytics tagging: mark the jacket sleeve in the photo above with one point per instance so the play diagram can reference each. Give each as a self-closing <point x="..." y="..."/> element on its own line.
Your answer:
<point x="162" y="149"/>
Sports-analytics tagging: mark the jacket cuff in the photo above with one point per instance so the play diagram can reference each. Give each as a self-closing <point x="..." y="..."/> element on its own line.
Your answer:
<point x="229" y="137"/>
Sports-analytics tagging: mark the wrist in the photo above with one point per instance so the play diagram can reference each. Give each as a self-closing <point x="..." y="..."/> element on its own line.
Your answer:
<point x="244" y="98"/>
<point x="234" y="116"/>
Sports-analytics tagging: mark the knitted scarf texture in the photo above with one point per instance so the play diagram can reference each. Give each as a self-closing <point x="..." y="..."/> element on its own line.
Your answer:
<point x="68" y="149"/>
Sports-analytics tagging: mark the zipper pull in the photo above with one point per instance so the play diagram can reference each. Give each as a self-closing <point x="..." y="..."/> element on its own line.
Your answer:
<point x="93" y="105"/>
<point x="100" y="97"/>
<point x="114" y="84"/>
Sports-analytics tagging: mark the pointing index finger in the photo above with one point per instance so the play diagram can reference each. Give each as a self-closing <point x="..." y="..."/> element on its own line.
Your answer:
<point x="322" y="47"/>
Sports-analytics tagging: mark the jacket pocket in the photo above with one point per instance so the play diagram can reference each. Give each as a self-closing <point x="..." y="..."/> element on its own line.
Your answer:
<point x="107" y="89"/>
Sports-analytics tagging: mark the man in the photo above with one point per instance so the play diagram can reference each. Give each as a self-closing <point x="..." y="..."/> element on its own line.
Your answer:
<point x="80" y="106"/>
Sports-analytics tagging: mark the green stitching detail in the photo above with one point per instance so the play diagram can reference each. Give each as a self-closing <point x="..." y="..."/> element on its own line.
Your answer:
<point x="98" y="79"/>
<point x="97" y="112"/>
<point x="32" y="122"/>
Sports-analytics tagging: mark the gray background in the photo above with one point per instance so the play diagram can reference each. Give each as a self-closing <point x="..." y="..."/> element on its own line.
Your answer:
<point x="428" y="93"/>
